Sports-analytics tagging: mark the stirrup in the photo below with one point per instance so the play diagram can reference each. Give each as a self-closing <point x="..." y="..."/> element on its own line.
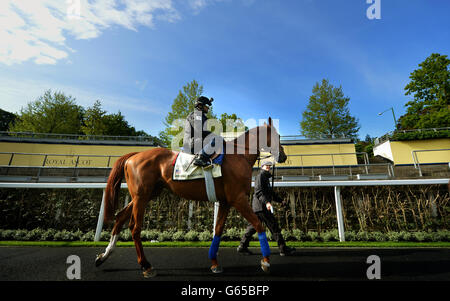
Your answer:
<point x="202" y="161"/>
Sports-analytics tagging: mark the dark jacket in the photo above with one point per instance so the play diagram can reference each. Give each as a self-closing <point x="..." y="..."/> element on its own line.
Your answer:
<point x="263" y="192"/>
<point x="194" y="131"/>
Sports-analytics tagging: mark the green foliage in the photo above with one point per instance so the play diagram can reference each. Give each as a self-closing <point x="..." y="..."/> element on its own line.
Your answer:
<point x="178" y="236"/>
<point x="298" y="234"/>
<point x="232" y="123"/>
<point x="327" y="114"/>
<point x="125" y="235"/>
<point x="205" y="236"/>
<point x="287" y="234"/>
<point x="50" y="113"/>
<point x="40" y="234"/>
<point x="383" y="209"/>
<point x="430" y="86"/>
<point x="97" y="122"/>
<point x="182" y="105"/>
<point x="393" y="236"/>
<point x="421" y="135"/>
<point x="105" y="235"/>
<point x="362" y="236"/>
<point x="165" y="236"/>
<point x="314" y="236"/>
<point x="332" y="235"/>
<point x="233" y="233"/>
<point x="65" y="235"/>
<point x="88" y="236"/>
<point x="94" y="120"/>
<point x="149" y="235"/>
<point x="6" y="118"/>
<point x="191" y="236"/>
<point x="59" y="114"/>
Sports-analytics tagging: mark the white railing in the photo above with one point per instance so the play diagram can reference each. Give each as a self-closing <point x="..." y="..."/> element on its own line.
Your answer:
<point x="416" y="159"/>
<point x="332" y="156"/>
<point x="336" y="184"/>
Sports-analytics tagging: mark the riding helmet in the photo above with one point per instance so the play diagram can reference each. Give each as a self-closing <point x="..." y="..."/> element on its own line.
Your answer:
<point x="202" y="100"/>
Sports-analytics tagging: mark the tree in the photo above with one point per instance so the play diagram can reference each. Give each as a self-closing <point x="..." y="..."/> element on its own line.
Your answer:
<point x="430" y="87"/>
<point x="58" y="113"/>
<point x="94" y="120"/>
<point x="5" y="119"/>
<point x="182" y="105"/>
<point x="116" y="125"/>
<point x="97" y="122"/>
<point x="327" y="114"/>
<point x="232" y="123"/>
<point x="50" y="113"/>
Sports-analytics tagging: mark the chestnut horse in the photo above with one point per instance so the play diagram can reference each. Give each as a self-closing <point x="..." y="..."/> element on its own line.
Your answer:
<point x="148" y="172"/>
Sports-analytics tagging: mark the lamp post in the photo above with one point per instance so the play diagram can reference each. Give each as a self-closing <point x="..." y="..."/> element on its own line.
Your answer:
<point x="393" y="114"/>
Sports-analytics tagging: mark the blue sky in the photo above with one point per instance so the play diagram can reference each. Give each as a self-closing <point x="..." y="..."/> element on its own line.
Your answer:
<point x="257" y="58"/>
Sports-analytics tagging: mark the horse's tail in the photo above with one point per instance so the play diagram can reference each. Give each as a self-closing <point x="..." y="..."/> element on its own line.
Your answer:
<point x="113" y="187"/>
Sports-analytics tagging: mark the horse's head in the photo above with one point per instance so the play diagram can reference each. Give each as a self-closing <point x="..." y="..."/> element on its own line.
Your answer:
<point x="273" y="143"/>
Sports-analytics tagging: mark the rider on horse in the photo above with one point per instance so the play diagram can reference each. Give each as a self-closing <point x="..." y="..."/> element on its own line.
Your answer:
<point x="195" y="134"/>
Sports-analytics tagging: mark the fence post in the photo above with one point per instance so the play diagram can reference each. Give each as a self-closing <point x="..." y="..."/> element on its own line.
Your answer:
<point x="98" y="231"/>
<point x="340" y="219"/>
<point x="191" y="211"/>
<point x="292" y="203"/>
<point x="127" y="200"/>
<point x="216" y="211"/>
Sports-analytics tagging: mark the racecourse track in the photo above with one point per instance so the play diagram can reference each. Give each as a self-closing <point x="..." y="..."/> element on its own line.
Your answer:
<point x="192" y="264"/>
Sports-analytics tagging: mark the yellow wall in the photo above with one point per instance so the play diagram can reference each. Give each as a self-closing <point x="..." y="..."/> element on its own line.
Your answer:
<point x="401" y="151"/>
<point x="111" y="150"/>
<point x="308" y="149"/>
<point x="69" y="149"/>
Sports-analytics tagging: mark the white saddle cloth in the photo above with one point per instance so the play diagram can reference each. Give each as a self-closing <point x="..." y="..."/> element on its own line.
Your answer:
<point x="184" y="169"/>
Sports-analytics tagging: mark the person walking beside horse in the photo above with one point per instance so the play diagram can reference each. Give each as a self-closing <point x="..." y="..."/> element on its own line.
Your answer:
<point x="262" y="197"/>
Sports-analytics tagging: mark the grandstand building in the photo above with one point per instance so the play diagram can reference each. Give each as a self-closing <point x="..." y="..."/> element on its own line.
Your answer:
<point x="26" y="157"/>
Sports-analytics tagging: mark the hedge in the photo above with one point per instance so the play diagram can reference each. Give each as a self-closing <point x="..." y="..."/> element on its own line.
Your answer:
<point x="420" y="135"/>
<point x="232" y="234"/>
<point x="365" y="209"/>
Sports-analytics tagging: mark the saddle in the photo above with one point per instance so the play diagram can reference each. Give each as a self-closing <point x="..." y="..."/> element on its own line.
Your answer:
<point x="184" y="170"/>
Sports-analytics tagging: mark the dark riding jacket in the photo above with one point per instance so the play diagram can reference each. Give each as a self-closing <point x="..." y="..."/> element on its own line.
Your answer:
<point x="194" y="131"/>
<point x="263" y="192"/>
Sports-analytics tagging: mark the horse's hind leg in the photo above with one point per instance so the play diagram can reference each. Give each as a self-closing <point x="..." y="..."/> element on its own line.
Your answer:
<point x="121" y="218"/>
<point x="224" y="209"/>
<point x="138" y="216"/>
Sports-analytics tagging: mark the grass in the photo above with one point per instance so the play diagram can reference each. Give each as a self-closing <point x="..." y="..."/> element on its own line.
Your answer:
<point x="254" y="244"/>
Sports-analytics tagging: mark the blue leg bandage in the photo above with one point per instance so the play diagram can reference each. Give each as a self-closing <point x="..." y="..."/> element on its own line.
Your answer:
<point x="264" y="244"/>
<point x="214" y="247"/>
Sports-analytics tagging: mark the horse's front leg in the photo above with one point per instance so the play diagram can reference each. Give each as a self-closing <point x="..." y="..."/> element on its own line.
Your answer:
<point x="222" y="214"/>
<point x="121" y="218"/>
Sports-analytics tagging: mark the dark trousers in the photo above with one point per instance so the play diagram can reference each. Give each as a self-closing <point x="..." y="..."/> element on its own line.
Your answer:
<point x="269" y="220"/>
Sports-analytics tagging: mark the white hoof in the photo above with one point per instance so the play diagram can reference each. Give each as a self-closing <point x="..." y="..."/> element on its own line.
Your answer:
<point x="216" y="269"/>
<point x="265" y="266"/>
<point x="149" y="273"/>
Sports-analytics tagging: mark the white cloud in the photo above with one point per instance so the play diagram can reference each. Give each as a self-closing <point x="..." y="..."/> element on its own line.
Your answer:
<point x="37" y="29"/>
<point x="16" y="94"/>
<point x="198" y="5"/>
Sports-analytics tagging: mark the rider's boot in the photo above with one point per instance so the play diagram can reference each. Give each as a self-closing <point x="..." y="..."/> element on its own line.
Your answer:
<point x="202" y="160"/>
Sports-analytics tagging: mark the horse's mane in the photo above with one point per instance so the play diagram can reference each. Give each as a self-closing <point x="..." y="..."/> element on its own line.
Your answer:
<point x="238" y="139"/>
<point x="246" y="133"/>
